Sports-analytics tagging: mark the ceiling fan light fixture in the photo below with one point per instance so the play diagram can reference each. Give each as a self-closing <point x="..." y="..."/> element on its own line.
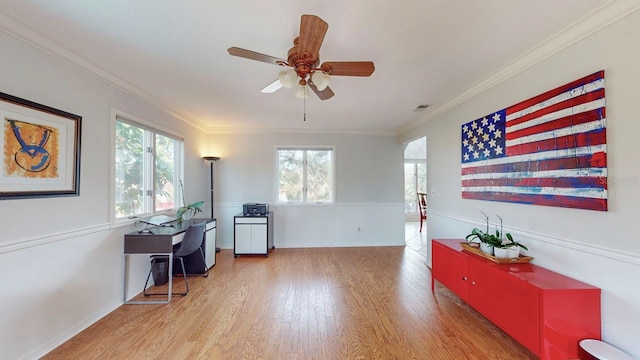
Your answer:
<point x="320" y="79"/>
<point x="302" y="92"/>
<point x="287" y="78"/>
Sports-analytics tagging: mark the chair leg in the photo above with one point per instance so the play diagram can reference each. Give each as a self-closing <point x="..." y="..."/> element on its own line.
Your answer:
<point x="144" y="291"/>
<point x="204" y="261"/>
<point x="421" y="220"/>
<point x="184" y="274"/>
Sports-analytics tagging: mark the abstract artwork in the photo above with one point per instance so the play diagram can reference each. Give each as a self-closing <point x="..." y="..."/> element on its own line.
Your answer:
<point x="31" y="150"/>
<point x="40" y="150"/>
<point x="548" y="150"/>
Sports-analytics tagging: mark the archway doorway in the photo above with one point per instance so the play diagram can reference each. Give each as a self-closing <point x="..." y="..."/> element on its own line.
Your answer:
<point x="415" y="181"/>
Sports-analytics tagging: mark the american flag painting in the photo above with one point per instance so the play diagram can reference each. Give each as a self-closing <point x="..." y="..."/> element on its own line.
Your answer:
<point x="549" y="150"/>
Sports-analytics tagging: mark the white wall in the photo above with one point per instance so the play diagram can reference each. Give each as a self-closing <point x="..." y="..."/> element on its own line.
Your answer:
<point x="61" y="260"/>
<point x="369" y="190"/>
<point x="600" y="248"/>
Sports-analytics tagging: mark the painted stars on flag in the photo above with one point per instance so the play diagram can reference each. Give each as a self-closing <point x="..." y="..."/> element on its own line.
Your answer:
<point x="484" y="138"/>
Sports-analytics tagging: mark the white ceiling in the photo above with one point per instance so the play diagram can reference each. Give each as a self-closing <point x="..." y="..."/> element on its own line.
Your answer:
<point x="174" y="53"/>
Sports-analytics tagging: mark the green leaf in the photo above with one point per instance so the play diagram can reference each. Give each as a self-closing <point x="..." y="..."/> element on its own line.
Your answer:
<point x="197" y="205"/>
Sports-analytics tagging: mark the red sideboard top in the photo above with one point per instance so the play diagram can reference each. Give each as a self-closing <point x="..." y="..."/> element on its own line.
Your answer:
<point x="537" y="276"/>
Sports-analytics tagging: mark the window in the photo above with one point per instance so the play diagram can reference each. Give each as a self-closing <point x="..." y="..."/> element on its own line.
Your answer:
<point x="148" y="168"/>
<point x="305" y="175"/>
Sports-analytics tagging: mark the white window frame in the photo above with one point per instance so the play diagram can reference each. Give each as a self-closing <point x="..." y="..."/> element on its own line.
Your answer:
<point x="149" y="174"/>
<point x="304" y="201"/>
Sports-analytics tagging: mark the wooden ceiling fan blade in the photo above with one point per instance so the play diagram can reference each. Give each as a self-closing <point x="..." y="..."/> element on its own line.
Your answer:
<point x="348" y="68"/>
<point x="325" y="94"/>
<point x="252" y="55"/>
<point x="271" y="88"/>
<point x="312" y="32"/>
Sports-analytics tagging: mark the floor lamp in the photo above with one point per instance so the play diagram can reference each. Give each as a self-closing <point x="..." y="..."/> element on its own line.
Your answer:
<point x="211" y="160"/>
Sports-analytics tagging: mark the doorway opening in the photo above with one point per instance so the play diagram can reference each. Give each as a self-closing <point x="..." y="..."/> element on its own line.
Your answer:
<point x="415" y="181"/>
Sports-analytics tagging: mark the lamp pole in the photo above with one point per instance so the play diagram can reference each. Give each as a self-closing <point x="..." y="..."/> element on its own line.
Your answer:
<point x="211" y="160"/>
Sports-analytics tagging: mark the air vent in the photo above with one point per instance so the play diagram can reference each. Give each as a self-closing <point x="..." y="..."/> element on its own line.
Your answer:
<point x="421" y="107"/>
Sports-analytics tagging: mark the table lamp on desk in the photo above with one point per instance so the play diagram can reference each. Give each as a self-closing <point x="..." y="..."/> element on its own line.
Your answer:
<point x="211" y="160"/>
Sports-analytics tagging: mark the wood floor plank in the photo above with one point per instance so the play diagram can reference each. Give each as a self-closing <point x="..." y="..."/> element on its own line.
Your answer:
<point x="321" y="303"/>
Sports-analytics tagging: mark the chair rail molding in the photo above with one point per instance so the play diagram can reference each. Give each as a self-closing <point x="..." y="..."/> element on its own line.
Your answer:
<point x="20" y="244"/>
<point x="626" y="256"/>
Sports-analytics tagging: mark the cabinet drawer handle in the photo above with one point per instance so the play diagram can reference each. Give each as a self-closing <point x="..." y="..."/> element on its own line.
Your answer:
<point x="464" y="278"/>
<point x="473" y="283"/>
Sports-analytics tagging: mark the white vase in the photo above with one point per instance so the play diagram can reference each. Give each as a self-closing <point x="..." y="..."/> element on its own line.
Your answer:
<point x="513" y="252"/>
<point x="486" y="248"/>
<point x="500" y="252"/>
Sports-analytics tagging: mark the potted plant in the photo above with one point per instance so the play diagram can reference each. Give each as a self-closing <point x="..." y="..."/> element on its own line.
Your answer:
<point x="487" y="241"/>
<point x="507" y="248"/>
<point x="189" y="210"/>
<point x="500" y="245"/>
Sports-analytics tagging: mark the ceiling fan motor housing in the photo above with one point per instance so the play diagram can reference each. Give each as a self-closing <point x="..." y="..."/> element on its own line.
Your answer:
<point x="303" y="63"/>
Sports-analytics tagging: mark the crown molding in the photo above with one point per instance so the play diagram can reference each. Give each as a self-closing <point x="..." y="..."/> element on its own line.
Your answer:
<point x="600" y="18"/>
<point x="249" y="131"/>
<point x="606" y="15"/>
<point x="24" y="33"/>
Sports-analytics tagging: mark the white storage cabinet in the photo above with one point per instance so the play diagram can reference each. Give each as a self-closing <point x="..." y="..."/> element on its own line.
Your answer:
<point x="253" y="234"/>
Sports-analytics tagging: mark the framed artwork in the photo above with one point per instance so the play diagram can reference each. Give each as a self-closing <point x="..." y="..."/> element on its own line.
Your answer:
<point x="40" y="150"/>
<point x="549" y="150"/>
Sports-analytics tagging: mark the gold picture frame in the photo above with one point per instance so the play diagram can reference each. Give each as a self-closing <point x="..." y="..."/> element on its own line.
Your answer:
<point x="40" y="150"/>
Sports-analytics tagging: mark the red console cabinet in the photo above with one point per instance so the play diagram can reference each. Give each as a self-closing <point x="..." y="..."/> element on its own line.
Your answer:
<point x="547" y="312"/>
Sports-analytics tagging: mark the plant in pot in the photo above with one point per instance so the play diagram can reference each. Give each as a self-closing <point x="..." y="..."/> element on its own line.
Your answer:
<point x="190" y="210"/>
<point x="507" y="248"/>
<point x="487" y="241"/>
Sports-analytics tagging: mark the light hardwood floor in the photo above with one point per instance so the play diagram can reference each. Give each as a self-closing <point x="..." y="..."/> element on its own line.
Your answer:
<point x="321" y="303"/>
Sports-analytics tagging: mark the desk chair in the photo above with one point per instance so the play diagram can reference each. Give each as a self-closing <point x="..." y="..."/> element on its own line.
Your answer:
<point x="422" y="206"/>
<point x="191" y="242"/>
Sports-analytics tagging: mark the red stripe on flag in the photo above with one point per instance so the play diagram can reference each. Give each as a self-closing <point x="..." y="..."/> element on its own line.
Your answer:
<point x="581" y="118"/>
<point x="578" y="100"/>
<point x="546" y="200"/>
<point x="562" y="142"/>
<point x="597" y="160"/>
<point x="587" y="182"/>
<point x="557" y="91"/>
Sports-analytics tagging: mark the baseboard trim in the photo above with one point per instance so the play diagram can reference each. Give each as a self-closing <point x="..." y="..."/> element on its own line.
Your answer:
<point x="63" y="337"/>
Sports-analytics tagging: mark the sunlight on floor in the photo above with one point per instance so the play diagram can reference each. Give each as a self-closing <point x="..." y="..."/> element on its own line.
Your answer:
<point x="415" y="239"/>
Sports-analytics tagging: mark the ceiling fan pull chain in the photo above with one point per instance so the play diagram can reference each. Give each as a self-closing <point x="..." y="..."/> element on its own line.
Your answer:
<point x="304" y="107"/>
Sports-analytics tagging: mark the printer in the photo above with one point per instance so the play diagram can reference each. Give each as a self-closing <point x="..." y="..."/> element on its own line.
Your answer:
<point x="249" y="209"/>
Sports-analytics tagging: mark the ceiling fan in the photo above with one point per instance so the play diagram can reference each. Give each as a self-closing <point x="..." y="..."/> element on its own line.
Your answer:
<point x="303" y="59"/>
